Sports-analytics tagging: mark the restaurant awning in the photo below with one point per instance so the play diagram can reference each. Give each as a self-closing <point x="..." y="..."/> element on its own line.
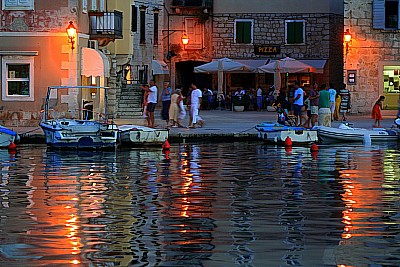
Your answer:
<point x="94" y="63"/>
<point x="318" y="64"/>
<point x="255" y="63"/>
<point x="159" y="67"/>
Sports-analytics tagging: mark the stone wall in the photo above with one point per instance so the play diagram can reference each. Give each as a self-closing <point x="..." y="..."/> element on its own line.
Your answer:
<point x="369" y="49"/>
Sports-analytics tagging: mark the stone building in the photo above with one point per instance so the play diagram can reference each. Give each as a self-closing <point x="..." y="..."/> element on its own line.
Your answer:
<point x="372" y="60"/>
<point x="259" y="31"/>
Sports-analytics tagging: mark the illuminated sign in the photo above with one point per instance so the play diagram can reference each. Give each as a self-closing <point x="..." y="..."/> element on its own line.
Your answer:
<point x="267" y="49"/>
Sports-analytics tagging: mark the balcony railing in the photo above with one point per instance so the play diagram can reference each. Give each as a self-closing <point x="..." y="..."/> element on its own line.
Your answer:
<point x="192" y="3"/>
<point x="105" y="25"/>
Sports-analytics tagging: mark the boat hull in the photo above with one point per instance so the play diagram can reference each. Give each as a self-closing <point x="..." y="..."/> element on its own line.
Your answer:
<point x="7" y="136"/>
<point x="79" y="134"/>
<point x="277" y="134"/>
<point x="328" y="134"/>
<point x="136" y="135"/>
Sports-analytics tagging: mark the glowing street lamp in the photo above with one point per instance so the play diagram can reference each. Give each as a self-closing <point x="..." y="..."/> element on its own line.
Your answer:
<point x="347" y="40"/>
<point x="71" y="31"/>
<point x="185" y="39"/>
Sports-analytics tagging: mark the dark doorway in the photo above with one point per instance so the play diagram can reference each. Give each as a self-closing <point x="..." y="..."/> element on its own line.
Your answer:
<point x="185" y="75"/>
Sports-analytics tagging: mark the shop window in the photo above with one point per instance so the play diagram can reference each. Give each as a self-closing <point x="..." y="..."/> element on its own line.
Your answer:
<point x="17" y="80"/>
<point x="386" y="14"/>
<point x="194" y="30"/>
<point x="295" y="31"/>
<point x="243" y="31"/>
<point x="18" y="4"/>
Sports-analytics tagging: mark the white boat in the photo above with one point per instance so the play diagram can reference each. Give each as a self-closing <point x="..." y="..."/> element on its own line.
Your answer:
<point x="80" y="128"/>
<point x="7" y="136"/>
<point x="277" y="133"/>
<point x="140" y="135"/>
<point x="346" y="133"/>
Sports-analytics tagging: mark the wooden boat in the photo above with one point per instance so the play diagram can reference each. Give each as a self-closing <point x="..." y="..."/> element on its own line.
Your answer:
<point x="142" y="136"/>
<point x="81" y="129"/>
<point x="346" y="133"/>
<point x="7" y="136"/>
<point x="277" y="133"/>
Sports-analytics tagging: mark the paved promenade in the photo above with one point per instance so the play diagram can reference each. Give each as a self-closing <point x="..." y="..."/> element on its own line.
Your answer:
<point x="219" y="125"/>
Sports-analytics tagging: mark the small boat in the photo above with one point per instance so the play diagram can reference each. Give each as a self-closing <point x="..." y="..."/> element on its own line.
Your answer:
<point x="278" y="133"/>
<point x="7" y="136"/>
<point x="346" y="133"/>
<point x="81" y="128"/>
<point x="142" y="136"/>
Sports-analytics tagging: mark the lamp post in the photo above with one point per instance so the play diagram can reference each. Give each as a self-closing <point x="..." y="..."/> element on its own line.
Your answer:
<point x="185" y="38"/>
<point x="71" y="31"/>
<point x="347" y="40"/>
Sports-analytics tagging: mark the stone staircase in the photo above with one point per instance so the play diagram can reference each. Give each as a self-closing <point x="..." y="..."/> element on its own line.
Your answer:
<point x="129" y="102"/>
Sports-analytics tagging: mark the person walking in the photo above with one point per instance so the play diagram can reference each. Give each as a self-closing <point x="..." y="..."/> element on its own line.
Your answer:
<point x="298" y="102"/>
<point x="345" y="103"/>
<point x="174" y="108"/>
<point x="195" y="103"/>
<point x="376" y="111"/>
<point x="338" y="101"/>
<point x="313" y="96"/>
<point x="166" y="102"/>
<point x="332" y="99"/>
<point x="152" y="102"/>
<point x="259" y="99"/>
<point x="324" y="112"/>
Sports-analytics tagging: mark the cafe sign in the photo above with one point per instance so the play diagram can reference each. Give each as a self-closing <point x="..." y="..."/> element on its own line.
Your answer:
<point x="267" y="49"/>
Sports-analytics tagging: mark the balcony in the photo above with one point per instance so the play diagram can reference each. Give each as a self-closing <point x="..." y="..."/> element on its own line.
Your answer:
<point x="192" y="3"/>
<point x="105" y="27"/>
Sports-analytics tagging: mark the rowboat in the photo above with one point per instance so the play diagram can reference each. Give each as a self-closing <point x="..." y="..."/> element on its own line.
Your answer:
<point x="278" y="133"/>
<point x="137" y="135"/>
<point x="7" y="136"/>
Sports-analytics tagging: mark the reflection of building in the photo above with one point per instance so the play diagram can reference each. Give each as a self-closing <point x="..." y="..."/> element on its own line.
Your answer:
<point x="373" y="52"/>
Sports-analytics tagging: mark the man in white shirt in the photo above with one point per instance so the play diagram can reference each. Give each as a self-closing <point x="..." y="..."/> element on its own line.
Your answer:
<point x="259" y="98"/>
<point x="332" y="99"/>
<point x="151" y="102"/>
<point x="195" y="102"/>
<point x="298" y="102"/>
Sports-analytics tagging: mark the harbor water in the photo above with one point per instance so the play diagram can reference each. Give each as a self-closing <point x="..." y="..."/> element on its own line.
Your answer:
<point x="225" y="204"/>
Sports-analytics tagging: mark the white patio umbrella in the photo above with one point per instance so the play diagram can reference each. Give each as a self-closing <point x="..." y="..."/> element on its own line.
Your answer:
<point x="221" y="66"/>
<point x="285" y="65"/>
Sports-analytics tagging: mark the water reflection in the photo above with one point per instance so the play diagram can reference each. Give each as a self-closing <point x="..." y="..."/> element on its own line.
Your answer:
<point x="201" y="205"/>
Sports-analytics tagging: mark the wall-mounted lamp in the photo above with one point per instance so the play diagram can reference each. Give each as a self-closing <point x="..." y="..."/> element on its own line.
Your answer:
<point x="347" y="40"/>
<point x="185" y="39"/>
<point x="71" y="31"/>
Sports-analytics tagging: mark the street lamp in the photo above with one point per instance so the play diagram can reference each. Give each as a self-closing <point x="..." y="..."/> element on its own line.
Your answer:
<point x="347" y="40"/>
<point x="71" y="31"/>
<point x="185" y="38"/>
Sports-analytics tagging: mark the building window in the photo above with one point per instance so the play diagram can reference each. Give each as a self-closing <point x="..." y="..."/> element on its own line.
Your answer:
<point x="295" y="31"/>
<point x="17" y="79"/>
<point x="243" y="31"/>
<point x="18" y="4"/>
<point x="84" y="6"/>
<point x="134" y="21"/>
<point x="142" y="25"/>
<point x="101" y="6"/>
<point x="194" y="30"/>
<point x="386" y="14"/>
<point x="94" y="5"/>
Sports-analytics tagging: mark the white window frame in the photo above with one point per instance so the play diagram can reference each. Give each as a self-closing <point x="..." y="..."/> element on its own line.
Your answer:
<point x="304" y="31"/>
<point x="84" y="6"/>
<point x="18" y="4"/>
<point x="93" y="5"/>
<point x="251" y="33"/>
<point x="5" y="79"/>
<point x="200" y="43"/>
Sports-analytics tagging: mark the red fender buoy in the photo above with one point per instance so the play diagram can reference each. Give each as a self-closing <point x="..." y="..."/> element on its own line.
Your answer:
<point x="166" y="145"/>
<point x="288" y="141"/>
<point x="314" y="147"/>
<point x="12" y="146"/>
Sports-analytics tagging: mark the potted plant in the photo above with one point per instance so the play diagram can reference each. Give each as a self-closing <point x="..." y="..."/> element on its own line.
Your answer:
<point x="240" y="102"/>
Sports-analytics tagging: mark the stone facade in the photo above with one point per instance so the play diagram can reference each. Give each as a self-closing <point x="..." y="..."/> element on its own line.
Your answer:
<point x="370" y="50"/>
<point x="323" y="38"/>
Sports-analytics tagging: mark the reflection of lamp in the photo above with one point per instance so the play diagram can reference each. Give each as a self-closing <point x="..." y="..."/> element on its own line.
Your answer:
<point x="71" y="31"/>
<point x="347" y="40"/>
<point x="185" y="38"/>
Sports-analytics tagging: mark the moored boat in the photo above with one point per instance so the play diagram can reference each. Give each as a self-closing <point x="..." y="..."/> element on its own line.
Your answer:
<point x="277" y="133"/>
<point x="346" y="133"/>
<point x="81" y="129"/>
<point x="137" y="135"/>
<point x="7" y="136"/>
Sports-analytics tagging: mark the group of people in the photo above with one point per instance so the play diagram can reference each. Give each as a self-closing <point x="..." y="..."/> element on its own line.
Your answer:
<point x="173" y="110"/>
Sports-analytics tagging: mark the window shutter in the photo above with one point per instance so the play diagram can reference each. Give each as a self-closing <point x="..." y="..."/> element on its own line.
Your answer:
<point x="290" y="33"/>
<point x="194" y="29"/>
<point x="247" y="32"/>
<point x="134" y="20"/>
<point x="239" y="32"/>
<point x="298" y="32"/>
<point x="378" y="13"/>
